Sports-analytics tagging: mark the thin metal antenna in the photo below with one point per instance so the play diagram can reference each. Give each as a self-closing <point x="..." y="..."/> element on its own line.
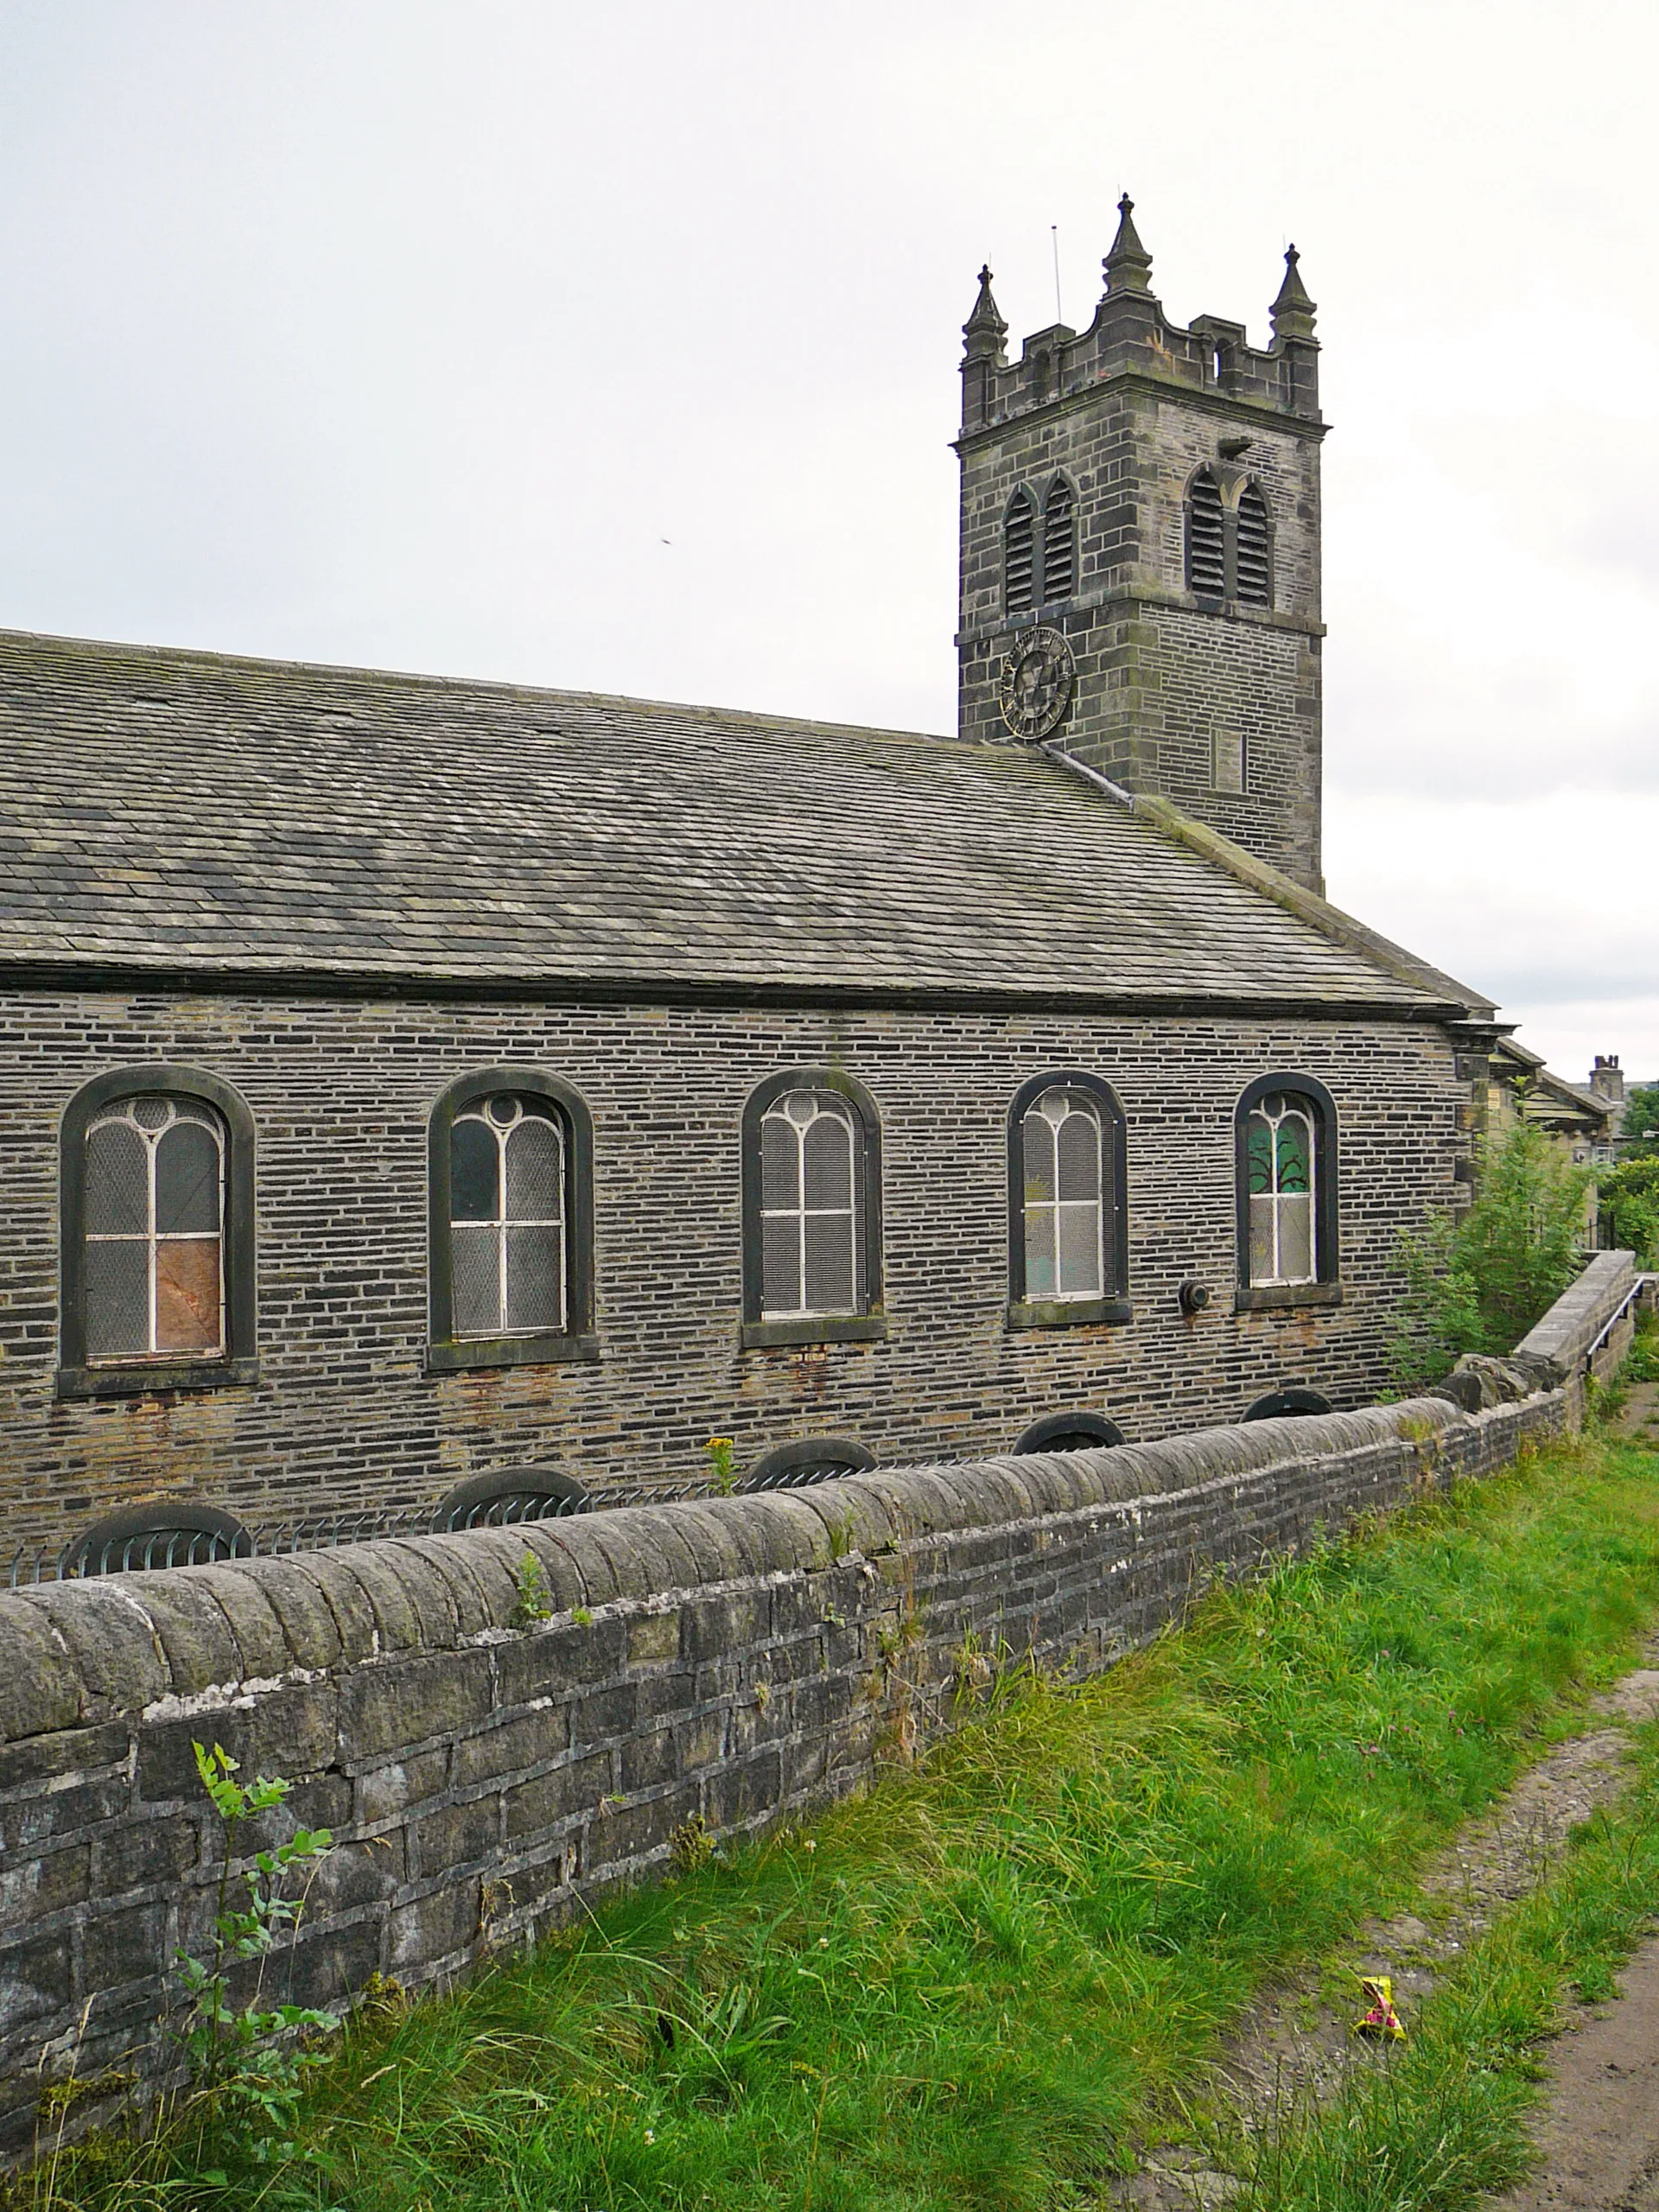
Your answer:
<point x="1054" y="235"/>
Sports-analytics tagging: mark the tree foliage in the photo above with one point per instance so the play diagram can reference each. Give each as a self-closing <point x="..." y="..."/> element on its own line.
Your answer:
<point x="1638" y="1135"/>
<point x="1480" y="1282"/>
<point x="1629" y="1197"/>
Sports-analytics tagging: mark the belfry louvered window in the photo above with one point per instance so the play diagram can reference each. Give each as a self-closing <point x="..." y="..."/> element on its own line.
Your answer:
<point x="1059" y="542"/>
<point x="1207" y="541"/>
<point x="1254" y="572"/>
<point x="1019" y="553"/>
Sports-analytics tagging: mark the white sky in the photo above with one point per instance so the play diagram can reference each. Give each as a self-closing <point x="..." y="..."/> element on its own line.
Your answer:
<point x="405" y="332"/>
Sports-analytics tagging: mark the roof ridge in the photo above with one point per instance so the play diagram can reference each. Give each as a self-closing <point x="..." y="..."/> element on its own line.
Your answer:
<point x="204" y="656"/>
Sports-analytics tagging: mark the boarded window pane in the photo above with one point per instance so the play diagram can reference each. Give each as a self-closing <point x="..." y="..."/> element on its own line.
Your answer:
<point x="535" y="1172"/>
<point x="780" y="1181"/>
<point x="829" y="1148"/>
<point x="1037" y="1142"/>
<point x="829" y="1262"/>
<point x="1041" y="1280"/>
<point x="1296" y="1240"/>
<point x="118" y="1299"/>
<point x="474" y="1191"/>
<point x="118" y="1188"/>
<point x="187" y="1180"/>
<point x="1079" y="1251"/>
<point x="475" y="1292"/>
<point x="535" y="1277"/>
<point x="187" y="1294"/>
<point x="1262" y="1239"/>
<point x="780" y="1267"/>
<point x="1079" y="1156"/>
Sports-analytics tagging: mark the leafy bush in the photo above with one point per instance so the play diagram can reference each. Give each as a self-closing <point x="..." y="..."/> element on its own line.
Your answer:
<point x="1479" y="1283"/>
<point x="1629" y="1197"/>
<point x="1638" y="1136"/>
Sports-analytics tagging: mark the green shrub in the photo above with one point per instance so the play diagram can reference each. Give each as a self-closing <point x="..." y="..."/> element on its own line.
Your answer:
<point x="1629" y="1197"/>
<point x="1479" y="1283"/>
<point x="1638" y="1136"/>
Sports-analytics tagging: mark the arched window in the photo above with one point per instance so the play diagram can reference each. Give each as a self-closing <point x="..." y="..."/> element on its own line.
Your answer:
<point x="511" y="1201"/>
<point x="1075" y="1432"/>
<point x="1019" y="554"/>
<point x="157" y="1235"/>
<point x="1287" y="1186"/>
<point x="1059" y="542"/>
<point x="1254" y="549"/>
<point x="168" y="1532"/>
<point x="1067" y="1227"/>
<point x="810" y="1459"/>
<point x="811" y="1208"/>
<point x="1206" y="548"/>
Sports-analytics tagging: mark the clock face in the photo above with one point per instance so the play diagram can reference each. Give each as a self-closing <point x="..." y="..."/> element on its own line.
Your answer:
<point x="1039" y="675"/>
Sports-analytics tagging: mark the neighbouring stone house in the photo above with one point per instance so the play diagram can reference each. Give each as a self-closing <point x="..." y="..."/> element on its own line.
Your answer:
<point x="407" y="1082"/>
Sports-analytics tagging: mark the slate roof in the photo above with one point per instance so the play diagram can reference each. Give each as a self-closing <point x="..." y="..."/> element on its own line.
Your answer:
<point x="215" y="818"/>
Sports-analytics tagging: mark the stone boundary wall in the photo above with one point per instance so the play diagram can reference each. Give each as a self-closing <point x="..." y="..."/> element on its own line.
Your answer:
<point x="728" y="1662"/>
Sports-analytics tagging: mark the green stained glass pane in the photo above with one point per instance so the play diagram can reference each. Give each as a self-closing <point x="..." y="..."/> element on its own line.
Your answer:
<point x="1258" y="1153"/>
<point x="1294" y="1166"/>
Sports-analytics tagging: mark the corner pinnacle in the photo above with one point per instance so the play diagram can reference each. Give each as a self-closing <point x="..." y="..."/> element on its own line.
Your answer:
<point x="1128" y="265"/>
<point x="1293" y="311"/>
<point x="984" y="329"/>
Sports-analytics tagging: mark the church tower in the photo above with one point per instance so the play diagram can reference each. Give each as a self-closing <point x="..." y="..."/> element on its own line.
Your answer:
<point x="1140" y="553"/>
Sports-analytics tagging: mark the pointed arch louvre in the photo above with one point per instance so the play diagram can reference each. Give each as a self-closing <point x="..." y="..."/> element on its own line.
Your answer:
<point x="1059" y="542"/>
<point x="1019" y="553"/>
<point x="1206" y="543"/>
<point x="1255" y="573"/>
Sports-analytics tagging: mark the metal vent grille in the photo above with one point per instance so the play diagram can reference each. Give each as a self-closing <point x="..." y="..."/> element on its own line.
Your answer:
<point x="1207" y="564"/>
<point x="1019" y="555"/>
<point x="1254" y="575"/>
<point x="1059" y="543"/>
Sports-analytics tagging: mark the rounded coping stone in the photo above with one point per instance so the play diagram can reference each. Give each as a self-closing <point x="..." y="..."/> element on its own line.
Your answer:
<point x="711" y="1541"/>
<point x="570" y="1532"/>
<point x="428" y="1590"/>
<point x="669" y="1536"/>
<point x="110" y="1642"/>
<point x="397" y="1621"/>
<point x="199" y="1645"/>
<point x="249" y="1607"/>
<point x="39" y="1684"/>
<point x="855" y="1517"/>
<point x="791" y="1538"/>
<point x="309" y="1629"/>
<point x="741" y="1531"/>
<point x="469" y="1599"/>
<point x="345" y="1598"/>
<point x="637" y="1562"/>
<point x="916" y="1503"/>
<point x="566" y="1584"/>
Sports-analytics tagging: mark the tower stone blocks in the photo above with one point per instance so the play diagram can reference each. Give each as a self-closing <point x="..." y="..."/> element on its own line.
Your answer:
<point x="1196" y="669"/>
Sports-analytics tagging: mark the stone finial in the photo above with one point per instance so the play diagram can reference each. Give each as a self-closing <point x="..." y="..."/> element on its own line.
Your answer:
<point x="984" y="330"/>
<point x="1128" y="265"/>
<point x="1293" y="311"/>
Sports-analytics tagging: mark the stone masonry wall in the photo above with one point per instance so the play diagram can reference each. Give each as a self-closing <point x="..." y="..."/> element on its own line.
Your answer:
<point x="344" y="1414"/>
<point x="732" y="1662"/>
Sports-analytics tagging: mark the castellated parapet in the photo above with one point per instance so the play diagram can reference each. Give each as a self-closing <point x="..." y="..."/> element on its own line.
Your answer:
<point x="1194" y="667"/>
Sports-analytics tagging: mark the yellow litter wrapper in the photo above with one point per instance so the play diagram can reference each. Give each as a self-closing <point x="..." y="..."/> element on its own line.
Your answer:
<point x="1382" y="2020"/>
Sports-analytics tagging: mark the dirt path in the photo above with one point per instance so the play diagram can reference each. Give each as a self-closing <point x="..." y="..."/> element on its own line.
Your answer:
<point x="1600" y="2129"/>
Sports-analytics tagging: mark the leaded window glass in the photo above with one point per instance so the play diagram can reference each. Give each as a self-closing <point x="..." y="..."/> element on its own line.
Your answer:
<point x="1279" y="1162"/>
<point x="809" y="1209"/>
<point x="507" y="1173"/>
<point x="1062" y="1150"/>
<point x="153" y="1222"/>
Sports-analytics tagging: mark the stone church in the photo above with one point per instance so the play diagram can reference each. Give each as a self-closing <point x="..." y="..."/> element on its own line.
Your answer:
<point x="409" y="1083"/>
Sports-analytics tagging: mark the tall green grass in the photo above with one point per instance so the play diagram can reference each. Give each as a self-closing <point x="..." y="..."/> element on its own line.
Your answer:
<point x="973" y="1987"/>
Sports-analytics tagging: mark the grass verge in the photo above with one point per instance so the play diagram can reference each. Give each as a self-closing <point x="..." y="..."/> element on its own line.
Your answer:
<point x="972" y="1987"/>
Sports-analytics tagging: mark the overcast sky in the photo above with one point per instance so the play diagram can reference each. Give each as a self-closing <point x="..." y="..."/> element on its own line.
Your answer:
<point x="615" y="348"/>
